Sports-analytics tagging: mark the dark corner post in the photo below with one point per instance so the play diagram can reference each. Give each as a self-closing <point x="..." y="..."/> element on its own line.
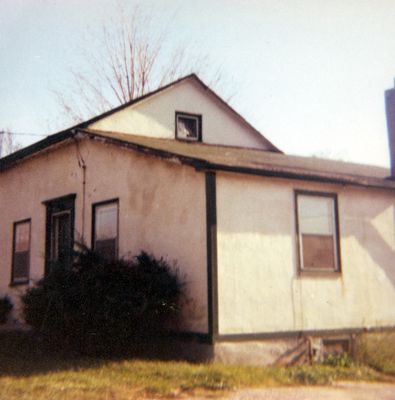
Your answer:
<point x="212" y="272"/>
<point x="390" y="112"/>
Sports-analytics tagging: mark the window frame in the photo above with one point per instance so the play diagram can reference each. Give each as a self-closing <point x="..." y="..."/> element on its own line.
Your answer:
<point x="93" y="234"/>
<point x="25" y="280"/>
<point x="337" y="250"/>
<point x="197" y="117"/>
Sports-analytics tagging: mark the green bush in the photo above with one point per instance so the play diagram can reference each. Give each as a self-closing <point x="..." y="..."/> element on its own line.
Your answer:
<point x="5" y="309"/>
<point x="101" y="306"/>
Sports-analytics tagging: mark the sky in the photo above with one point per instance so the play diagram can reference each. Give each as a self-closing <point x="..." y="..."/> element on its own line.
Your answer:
<point x="310" y="75"/>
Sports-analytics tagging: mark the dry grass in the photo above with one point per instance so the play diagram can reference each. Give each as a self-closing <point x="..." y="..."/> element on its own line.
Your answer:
<point x="378" y="351"/>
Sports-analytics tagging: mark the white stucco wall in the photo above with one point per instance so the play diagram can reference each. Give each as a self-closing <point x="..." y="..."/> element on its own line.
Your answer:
<point x="160" y="206"/>
<point x="260" y="289"/>
<point x="155" y="117"/>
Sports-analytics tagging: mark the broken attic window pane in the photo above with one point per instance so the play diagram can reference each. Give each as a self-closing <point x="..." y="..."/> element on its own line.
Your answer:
<point x="188" y="127"/>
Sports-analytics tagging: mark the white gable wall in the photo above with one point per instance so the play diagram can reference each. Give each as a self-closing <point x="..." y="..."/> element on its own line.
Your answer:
<point x="155" y="117"/>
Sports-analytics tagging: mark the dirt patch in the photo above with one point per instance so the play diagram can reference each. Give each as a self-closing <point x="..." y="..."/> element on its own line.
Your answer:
<point x="339" y="391"/>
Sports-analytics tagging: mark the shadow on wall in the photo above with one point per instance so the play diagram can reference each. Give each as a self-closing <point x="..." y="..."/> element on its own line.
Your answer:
<point x="379" y="249"/>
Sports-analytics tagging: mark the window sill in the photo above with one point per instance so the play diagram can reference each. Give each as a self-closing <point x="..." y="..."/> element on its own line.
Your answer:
<point x="186" y="140"/>
<point x="317" y="273"/>
<point x="21" y="283"/>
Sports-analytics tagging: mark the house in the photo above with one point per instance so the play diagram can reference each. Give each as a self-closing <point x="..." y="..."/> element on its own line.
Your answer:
<point x="281" y="253"/>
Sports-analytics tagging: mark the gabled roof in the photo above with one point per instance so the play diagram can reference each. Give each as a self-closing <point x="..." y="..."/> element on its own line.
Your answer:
<point x="223" y="158"/>
<point x="196" y="79"/>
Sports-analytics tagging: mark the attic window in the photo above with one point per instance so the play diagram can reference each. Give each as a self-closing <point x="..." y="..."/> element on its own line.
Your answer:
<point x="188" y="127"/>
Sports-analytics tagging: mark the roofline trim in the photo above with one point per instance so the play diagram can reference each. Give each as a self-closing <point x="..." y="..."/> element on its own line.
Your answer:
<point x="386" y="184"/>
<point x="203" y="165"/>
<point x="13" y="158"/>
<point x="197" y="163"/>
<point x="237" y="115"/>
<point x="84" y="124"/>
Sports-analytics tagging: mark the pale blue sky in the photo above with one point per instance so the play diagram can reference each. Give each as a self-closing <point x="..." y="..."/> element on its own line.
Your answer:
<point x="309" y="74"/>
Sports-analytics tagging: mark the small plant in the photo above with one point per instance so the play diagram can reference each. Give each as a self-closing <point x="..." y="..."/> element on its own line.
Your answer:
<point x="5" y="309"/>
<point x="343" y="360"/>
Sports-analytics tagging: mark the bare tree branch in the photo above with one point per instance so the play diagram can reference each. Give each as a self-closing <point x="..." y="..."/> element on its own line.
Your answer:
<point x="8" y="143"/>
<point x="130" y="60"/>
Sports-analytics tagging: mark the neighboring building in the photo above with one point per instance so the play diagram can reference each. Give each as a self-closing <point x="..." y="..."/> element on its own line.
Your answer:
<point x="281" y="253"/>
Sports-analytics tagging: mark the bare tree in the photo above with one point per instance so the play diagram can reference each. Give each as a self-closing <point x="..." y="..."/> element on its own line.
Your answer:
<point x="129" y="59"/>
<point x="8" y="143"/>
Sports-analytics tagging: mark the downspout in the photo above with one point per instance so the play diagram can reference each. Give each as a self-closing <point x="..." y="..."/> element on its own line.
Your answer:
<point x="212" y="262"/>
<point x="82" y="164"/>
<point x="390" y="113"/>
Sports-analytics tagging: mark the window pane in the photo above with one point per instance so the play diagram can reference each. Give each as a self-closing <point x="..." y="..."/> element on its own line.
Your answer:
<point x="21" y="256"/>
<point x="318" y="251"/>
<point x="106" y="248"/>
<point x="21" y="266"/>
<point x="22" y="234"/>
<point x="315" y="215"/>
<point x="187" y="127"/>
<point x="106" y="230"/>
<point x="106" y="222"/>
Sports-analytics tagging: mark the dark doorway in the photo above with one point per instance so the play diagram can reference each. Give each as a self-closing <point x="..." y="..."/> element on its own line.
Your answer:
<point x="59" y="231"/>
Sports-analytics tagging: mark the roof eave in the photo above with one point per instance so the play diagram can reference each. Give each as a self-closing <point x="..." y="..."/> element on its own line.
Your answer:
<point x="35" y="148"/>
<point x="268" y="171"/>
<point x="198" y="163"/>
<point x="311" y="176"/>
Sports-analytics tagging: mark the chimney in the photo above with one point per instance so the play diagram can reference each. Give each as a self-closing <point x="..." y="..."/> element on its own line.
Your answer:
<point x="390" y="111"/>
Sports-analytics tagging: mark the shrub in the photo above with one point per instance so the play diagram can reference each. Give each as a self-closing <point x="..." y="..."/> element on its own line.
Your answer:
<point x="102" y="306"/>
<point x="5" y="309"/>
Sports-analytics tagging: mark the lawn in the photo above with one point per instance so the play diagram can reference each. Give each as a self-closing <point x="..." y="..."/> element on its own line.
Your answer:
<point x="25" y="373"/>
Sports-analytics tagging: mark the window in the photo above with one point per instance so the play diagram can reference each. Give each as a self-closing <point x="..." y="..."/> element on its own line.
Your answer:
<point x="21" y="252"/>
<point x="317" y="231"/>
<point x="336" y="347"/>
<point x="105" y="229"/>
<point x="60" y="231"/>
<point x="189" y="127"/>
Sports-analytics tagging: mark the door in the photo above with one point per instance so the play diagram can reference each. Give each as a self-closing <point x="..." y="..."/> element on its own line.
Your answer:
<point x="60" y="232"/>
